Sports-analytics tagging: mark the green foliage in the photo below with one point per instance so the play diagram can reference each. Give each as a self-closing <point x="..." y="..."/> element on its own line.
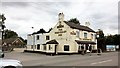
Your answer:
<point x="74" y="20"/>
<point x="102" y="41"/>
<point x="101" y="34"/>
<point x="113" y="40"/>
<point x="10" y="34"/>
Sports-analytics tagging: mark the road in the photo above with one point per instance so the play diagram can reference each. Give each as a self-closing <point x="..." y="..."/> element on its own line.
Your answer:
<point x="35" y="59"/>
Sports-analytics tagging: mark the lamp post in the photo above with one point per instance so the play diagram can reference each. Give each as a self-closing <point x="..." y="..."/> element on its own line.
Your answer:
<point x="98" y="50"/>
<point x="33" y="39"/>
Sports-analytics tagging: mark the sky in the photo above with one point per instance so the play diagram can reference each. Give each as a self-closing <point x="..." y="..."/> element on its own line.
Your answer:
<point x="21" y="15"/>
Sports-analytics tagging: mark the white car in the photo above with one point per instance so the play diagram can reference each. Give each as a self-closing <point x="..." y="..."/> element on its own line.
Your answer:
<point x="9" y="63"/>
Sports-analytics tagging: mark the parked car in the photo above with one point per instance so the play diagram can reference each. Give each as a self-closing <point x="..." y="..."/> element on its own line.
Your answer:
<point x="1" y="54"/>
<point x="9" y="63"/>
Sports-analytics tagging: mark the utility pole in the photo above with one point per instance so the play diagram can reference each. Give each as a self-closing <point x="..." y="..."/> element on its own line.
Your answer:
<point x="2" y="26"/>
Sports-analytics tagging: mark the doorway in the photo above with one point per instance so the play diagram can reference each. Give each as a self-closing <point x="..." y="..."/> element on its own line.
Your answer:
<point x="55" y="49"/>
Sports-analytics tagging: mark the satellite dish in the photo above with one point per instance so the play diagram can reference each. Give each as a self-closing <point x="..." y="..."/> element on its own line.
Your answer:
<point x="87" y="23"/>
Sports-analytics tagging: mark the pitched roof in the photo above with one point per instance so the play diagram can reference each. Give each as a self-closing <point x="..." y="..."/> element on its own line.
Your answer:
<point x="78" y="26"/>
<point x="12" y="40"/>
<point x="40" y="31"/>
<point x="85" y="42"/>
<point x="52" y="42"/>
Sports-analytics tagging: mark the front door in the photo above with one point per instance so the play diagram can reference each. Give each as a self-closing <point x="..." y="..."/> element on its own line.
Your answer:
<point x="55" y="49"/>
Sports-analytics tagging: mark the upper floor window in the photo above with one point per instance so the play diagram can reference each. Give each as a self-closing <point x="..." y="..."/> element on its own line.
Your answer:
<point x="77" y="33"/>
<point x="91" y="36"/>
<point x="85" y="35"/>
<point x="37" y="37"/>
<point x="47" y="37"/>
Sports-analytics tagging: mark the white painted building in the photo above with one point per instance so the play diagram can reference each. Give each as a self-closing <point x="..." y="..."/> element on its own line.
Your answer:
<point x="65" y="37"/>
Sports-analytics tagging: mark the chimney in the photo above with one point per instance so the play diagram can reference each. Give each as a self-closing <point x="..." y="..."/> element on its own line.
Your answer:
<point x="61" y="17"/>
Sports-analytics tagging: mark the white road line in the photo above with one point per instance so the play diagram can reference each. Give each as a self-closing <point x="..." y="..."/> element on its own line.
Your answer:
<point x="101" y="62"/>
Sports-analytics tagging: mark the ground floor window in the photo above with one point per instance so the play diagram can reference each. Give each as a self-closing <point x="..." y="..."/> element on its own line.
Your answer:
<point x="66" y="47"/>
<point x="93" y="47"/>
<point x="50" y="47"/>
<point x="79" y="48"/>
<point x="38" y="46"/>
<point x="31" y="46"/>
<point x="44" y="47"/>
<point x="82" y="47"/>
<point x="87" y="45"/>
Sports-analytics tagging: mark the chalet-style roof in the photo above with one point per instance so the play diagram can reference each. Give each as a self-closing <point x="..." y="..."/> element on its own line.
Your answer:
<point x="85" y="42"/>
<point x="78" y="26"/>
<point x="52" y="42"/>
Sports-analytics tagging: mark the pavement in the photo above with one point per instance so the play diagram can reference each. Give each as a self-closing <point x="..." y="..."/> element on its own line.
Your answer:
<point x="36" y="59"/>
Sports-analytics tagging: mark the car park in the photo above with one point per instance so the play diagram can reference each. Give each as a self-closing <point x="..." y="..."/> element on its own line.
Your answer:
<point x="9" y="63"/>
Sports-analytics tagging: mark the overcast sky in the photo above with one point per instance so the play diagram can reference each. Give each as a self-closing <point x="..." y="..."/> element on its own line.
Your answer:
<point x="22" y="15"/>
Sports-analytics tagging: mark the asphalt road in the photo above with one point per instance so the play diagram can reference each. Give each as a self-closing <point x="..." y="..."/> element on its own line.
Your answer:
<point x="35" y="59"/>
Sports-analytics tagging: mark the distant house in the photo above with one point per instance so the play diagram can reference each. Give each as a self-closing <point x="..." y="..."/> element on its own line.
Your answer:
<point x="9" y="44"/>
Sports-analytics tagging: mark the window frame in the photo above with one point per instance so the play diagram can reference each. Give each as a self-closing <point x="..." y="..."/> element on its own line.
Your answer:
<point x="49" y="47"/>
<point x="85" y="35"/>
<point x="37" y="46"/>
<point x="92" y="36"/>
<point x="66" y="46"/>
<point x="37" y="37"/>
<point x="47" y="37"/>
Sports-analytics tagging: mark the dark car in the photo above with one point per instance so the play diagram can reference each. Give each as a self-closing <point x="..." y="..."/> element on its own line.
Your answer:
<point x="1" y="54"/>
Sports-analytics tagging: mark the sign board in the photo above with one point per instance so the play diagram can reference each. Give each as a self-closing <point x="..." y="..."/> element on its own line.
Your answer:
<point x="111" y="47"/>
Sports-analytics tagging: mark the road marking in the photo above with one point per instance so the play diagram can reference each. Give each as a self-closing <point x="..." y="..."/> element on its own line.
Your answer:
<point x="101" y="62"/>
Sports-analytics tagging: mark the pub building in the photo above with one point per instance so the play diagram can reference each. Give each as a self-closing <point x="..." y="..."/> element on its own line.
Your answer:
<point x="64" y="38"/>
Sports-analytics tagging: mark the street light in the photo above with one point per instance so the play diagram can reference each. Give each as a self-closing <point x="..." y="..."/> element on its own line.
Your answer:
<point x="33" y="39"/>
<point x="98" y="50"/>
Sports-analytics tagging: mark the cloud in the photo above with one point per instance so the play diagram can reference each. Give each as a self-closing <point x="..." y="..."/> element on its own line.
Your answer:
<point x="14" y="4"/>
<point x="21" y="16"/>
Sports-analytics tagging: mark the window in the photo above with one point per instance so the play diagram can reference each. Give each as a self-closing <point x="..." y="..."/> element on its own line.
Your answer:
<point x="79" y="48"/>
<point x="85" y="35"/>
<point x="77" y="33"/>
<point x="66" y="47"/>
<point x="86" y="46"/>
<point x="47" y="38"/>
<point x="49" y="47"/>
<point x="82" y="47"/>
<point x="37" y="37"/>
<point x="31" y="46"/>
<point x="44" y="47"/>
<point x="38" y="46"/>
<point x="91" y="36"/>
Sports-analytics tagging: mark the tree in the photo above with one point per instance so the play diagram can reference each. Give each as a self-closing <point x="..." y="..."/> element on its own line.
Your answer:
<point x="101" y="40"/>
<point x="74" y="20"/>
<point x="10" y="34"/>
<point x="2" y="22"/>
